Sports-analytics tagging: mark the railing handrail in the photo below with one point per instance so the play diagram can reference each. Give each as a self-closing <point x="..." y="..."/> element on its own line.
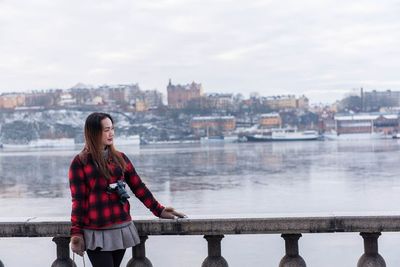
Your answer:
<point x="225" y="226"/>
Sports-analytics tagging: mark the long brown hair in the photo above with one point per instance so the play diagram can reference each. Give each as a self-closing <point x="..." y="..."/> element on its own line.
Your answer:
<point x="94" y="147"/>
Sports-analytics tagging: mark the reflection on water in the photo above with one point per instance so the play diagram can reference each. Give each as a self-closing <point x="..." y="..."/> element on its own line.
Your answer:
<point x="299" y="172"/>
<point x="221" y="180"/>
<point x="37" y="175"/>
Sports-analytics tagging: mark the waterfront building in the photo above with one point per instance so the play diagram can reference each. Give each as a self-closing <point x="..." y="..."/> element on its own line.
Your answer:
<point x="366" y="123"/>
<point x="270" y="120"/>
<point x="212" y="125"/>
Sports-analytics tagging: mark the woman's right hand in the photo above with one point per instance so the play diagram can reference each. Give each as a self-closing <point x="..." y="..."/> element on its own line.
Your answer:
<point x="78" y="245"/>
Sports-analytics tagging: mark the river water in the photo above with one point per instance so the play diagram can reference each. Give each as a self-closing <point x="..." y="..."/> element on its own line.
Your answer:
<point x="228" y="180"/>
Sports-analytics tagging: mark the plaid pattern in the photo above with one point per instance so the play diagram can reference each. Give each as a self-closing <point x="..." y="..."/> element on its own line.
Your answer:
<point x="92" y="206"/>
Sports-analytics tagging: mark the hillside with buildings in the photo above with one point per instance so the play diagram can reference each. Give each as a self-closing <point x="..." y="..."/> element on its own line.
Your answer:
<point x="189" y="114"/>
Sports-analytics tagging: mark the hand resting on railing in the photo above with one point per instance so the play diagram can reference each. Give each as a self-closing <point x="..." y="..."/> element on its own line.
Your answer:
<point x="171" y="213"/>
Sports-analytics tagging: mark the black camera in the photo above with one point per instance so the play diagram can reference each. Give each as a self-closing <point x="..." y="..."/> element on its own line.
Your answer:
<point x="119" y="188"/>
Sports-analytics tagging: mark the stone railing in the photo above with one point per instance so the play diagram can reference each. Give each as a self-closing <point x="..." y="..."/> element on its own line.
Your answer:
<point x="213" y="230"/>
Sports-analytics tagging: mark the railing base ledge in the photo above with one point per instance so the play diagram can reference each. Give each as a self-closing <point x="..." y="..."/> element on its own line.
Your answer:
<point x="214" y="262"/>
<point x="139" y="263"/>
<point x="63" y="263"/>
<point x="371" y="261"/>
<point x="289" y="261"/>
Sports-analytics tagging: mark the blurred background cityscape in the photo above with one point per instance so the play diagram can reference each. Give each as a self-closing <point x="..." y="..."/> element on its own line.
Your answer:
<point x="191" y="114"/>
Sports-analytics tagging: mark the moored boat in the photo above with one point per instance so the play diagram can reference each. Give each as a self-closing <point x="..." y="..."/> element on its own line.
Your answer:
<point x="293" y="135"/>
<point x="396" y="136"/>
<point x="258" y="138"/>
<point x="284" y="135"/>
<point x="354" y="136"/>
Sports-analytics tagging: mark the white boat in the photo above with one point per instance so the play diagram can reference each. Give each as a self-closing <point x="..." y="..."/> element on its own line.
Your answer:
<point x="354" y="136"/>
<point x="127" y="140"/>
<point x="284" y="134"/>
<point x="258" y="138"/>
<point x="43" y="143"/>
<point x="394" y="136"/>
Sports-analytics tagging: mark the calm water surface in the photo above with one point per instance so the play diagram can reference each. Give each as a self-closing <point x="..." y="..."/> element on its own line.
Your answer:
<point x="231" y="180"/>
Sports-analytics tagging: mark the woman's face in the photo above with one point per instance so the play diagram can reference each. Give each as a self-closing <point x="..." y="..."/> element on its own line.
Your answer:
<point x="107" y="132"/>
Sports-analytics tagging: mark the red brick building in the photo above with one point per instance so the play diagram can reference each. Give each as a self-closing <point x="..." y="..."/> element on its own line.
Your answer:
<point x="180" y="95"/>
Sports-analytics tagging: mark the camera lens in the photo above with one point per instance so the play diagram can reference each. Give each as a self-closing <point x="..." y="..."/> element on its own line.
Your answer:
<point x="123" y="195"/>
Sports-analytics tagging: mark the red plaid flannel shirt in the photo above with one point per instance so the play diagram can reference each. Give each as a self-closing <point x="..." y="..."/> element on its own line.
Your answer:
<point x="92" y="206"/>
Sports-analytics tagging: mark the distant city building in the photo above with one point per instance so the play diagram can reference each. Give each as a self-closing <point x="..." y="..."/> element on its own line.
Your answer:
<point x="66" y="99"/>
<point x="373" y="101"/>
<point x="270" y="120"/>
<point x="97" y="100"/>
<point x="11" y="101"/>
<point x="152" y="98"/>
<point x="41" y="99"/>
<point x="286" y="102"/>
<point x="212" y="125"/>
<point x="123" y="95"/>
<point x="219" y="101"/>
<point x="149" y="99"/>
<point x="82" y="96"/>
<point x="180" y="95"/>
<point x="119" y="94"/>
<point x="303" y="102"/>
<point x="140" y="106"/>
<point x="334" y="107"/>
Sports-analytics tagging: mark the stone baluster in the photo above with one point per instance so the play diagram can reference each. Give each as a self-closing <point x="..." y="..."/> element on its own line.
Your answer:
<point x="214" y="258"/>
<point x="139" y="255"/>
<point x="371" y="257"/>
<point x="292" y="257"/>
<point x="63" y="259"/>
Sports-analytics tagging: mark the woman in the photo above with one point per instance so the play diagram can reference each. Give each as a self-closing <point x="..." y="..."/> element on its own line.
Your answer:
<point x="100" y="217"/>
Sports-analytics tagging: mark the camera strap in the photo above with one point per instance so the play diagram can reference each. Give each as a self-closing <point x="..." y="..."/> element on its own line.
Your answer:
<point x="83" y="259"/>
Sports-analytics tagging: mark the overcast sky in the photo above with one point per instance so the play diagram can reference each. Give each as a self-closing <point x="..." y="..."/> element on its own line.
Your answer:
<point x="320" y="48"/>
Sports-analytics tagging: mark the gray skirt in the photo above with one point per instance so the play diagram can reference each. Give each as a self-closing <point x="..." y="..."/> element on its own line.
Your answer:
<point x="119" y="236"/>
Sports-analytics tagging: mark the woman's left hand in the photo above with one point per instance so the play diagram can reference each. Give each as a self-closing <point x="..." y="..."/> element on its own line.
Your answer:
<point x="171" y="213"/>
